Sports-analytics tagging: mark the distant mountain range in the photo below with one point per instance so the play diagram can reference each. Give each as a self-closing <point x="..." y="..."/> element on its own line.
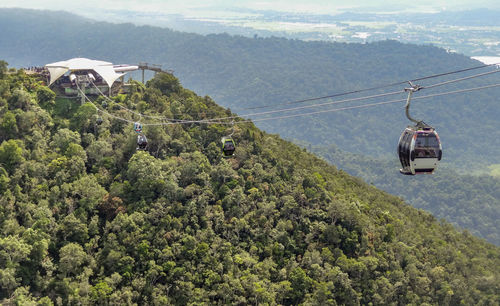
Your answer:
<point x="474" y="32"/>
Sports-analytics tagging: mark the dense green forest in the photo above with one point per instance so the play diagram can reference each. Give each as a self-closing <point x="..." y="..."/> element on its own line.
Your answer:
<point x="467" y="201"/>
<point x="87" y="219"/>
<point x="241" y="72"/>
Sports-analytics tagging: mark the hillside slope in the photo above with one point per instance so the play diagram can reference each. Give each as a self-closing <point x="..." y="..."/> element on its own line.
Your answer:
<point x="242" y="72"/>
<point x="86" y="218"/>
<point x="467" y="201"/>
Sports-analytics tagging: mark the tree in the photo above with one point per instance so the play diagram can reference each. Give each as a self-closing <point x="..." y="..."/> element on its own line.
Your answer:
<point x="145" y="176"/>
<point x="166" y="83"/>
<point x="3" y="69"/>
<point x="84" y="118"/>
<point x="100" y="293"/>
<point x="89" y="193"/>
<point x="99" y="151"/>
<point x="63" y="138"/>
<point x="13" y="250"/>
<point x="8" y="281"/>
<point x="74" y="230"/>
<point x="20" y="99"/>
<point x="8" y="126"/>
<point x="300" y="283"/>
<point x="71" y="258"/>
<point x="11" y="155"/>
<point x="4" y="180"/>
<point x="46" y="97"/>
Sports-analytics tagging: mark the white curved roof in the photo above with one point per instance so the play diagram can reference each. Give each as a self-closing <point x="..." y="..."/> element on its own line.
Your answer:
<point x="104" y="69"/>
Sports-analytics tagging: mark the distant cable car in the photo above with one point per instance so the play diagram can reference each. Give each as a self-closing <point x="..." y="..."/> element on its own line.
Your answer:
<point x="99" y="120"/>
<point x="142" y="142"/>
<point x="138" y="127"/>
<point x="419" y="147"/>
<point x="228" y="146"/>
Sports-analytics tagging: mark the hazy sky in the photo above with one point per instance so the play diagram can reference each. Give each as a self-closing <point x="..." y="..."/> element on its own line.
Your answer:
<point x="309" y="6"/>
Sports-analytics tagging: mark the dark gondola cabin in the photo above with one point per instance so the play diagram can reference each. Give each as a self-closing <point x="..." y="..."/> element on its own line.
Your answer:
<point x="419" y="150"/>
<point x="228" y="146"/>
<point x="142" y="142"/>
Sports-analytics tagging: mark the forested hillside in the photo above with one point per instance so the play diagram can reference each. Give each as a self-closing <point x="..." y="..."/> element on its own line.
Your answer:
<point x="242" y="72"/>
<point x="86" y="218"/>
<point x="467" y="201"/>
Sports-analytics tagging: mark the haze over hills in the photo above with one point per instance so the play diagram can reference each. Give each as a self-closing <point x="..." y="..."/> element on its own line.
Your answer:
<point x="313" y="6"/>
<point x="87" y="219"/>
<point x="470" y="27"/>
<point x="471" y="32"/>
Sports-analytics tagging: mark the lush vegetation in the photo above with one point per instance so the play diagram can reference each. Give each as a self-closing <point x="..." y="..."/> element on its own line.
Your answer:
<point x="242" y="72"/>
<point x="87" y="219"/>
<point x="467" y="201"/>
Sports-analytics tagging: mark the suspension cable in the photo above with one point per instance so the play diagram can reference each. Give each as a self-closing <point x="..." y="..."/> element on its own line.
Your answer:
<point x="334" y="110"/>
<point x="100" y="110"/>
<point x="220" y="120"/>
<point x="347" y="100"/>
<point x="320" y="98"/>
<point x="461" y="79"/>
<point x="131" y="111"/>
<point x="372" y="88"/>
<point x="378" y="103"/>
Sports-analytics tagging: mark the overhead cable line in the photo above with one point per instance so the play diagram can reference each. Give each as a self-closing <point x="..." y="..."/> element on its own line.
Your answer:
<point x="314" y="105"/>
<point x="328" y="110"/>
<point x="323" y="97"/>
<point x="461" y="79"/>
<point x="371" y="88"/>
<point x="349" y="100"/>
<point x="221" y="120"/>
<point x="132" y="111"/>
<point x="100" y="110"/>
<point x="374" y="104"/>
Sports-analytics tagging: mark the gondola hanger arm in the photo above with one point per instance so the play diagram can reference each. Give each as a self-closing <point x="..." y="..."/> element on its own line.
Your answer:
<point x="411" y="90"/>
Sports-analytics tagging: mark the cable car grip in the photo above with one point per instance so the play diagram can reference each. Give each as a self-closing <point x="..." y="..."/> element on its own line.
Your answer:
<point x="411" y="90"/>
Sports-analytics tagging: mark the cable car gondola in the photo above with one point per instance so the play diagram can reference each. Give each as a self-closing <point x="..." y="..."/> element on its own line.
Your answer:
<point x="228" y="146"/>
<point x="138" y="127"/>
<point x="142" y="142"/>
<point x="419" y="147"/>
<point x="419" y="150"/>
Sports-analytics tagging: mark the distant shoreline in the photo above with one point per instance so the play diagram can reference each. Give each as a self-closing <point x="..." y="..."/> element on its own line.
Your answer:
<point x="488" y="60"/>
